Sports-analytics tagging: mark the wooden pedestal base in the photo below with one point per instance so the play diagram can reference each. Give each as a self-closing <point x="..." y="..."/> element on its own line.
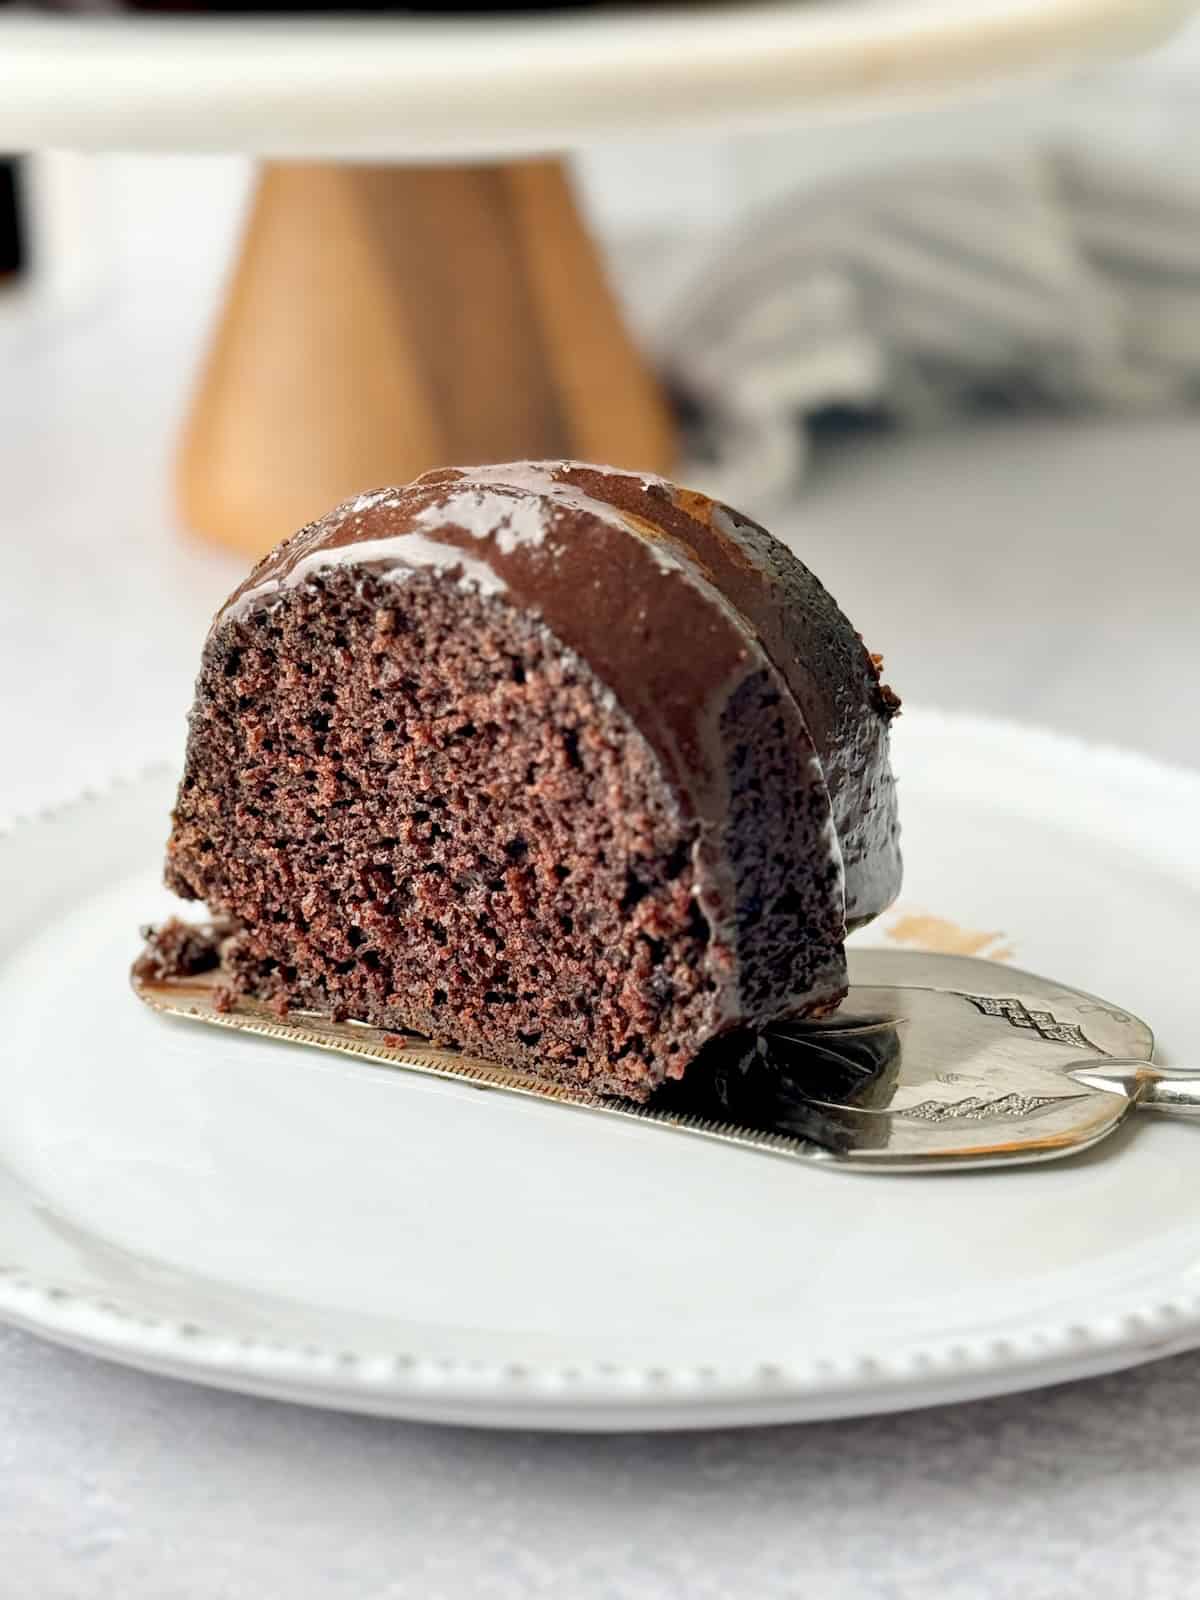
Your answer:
<point x="384" y="320"/>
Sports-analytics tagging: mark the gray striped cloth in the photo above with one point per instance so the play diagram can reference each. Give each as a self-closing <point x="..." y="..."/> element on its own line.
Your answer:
<point x="1054" y="280"/>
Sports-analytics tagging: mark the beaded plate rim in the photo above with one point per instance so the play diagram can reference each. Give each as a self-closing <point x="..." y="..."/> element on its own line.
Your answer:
<point x="603" y="1395"/>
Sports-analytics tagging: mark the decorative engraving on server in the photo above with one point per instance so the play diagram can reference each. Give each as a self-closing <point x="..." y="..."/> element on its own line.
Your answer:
<point x="976" y="1109"/>
<point x="1044" y="1023"/>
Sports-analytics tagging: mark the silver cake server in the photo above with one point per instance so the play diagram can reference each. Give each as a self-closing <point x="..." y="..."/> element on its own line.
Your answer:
<point x="932" y="1063"/>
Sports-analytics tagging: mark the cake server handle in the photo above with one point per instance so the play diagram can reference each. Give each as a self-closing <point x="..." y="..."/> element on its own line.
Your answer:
<point x="1171" y="1089"/>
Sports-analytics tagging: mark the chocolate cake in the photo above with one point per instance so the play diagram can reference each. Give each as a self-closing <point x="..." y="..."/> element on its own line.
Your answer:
<point x="567" y="766"/>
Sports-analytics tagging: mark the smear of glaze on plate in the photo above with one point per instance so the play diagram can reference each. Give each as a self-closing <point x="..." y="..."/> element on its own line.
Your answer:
<point x="927" y="932"/>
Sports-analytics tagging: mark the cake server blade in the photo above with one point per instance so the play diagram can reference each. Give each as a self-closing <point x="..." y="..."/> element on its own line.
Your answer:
<point x="932" y="1063"/>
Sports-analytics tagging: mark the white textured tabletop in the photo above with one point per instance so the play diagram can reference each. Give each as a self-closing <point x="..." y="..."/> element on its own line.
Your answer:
<point x="1041" y="571"/>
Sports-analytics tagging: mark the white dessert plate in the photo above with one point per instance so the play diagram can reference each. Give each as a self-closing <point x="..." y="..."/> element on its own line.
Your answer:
<point x="261" y="1217"/>
<point x="415" y="86"/>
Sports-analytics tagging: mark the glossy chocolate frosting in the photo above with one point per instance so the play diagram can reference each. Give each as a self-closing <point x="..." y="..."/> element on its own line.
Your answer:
<point x="673" y="600"/>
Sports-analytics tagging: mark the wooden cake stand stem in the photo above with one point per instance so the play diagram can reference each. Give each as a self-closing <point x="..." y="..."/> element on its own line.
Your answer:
<point x="383" y="320"/>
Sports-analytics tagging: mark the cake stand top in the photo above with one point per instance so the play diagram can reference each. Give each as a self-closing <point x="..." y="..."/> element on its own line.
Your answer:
<point x="418" y="87"/>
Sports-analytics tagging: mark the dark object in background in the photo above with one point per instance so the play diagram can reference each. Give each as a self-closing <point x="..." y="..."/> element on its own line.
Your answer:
<point x="274" y="7"/>
<point x="14" y="243"/>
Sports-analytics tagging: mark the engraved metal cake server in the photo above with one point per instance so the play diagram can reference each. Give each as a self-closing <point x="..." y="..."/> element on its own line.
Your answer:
<point x="932" y="1063"/>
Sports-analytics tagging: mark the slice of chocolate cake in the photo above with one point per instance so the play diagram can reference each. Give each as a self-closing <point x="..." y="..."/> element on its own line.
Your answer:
<point x="566" y="766"/>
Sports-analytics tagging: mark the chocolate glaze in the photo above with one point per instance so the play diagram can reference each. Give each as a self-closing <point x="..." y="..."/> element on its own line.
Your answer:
<point x="671" y="597"/>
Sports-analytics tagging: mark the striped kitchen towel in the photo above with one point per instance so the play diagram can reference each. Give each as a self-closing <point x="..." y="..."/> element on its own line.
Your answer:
<point x="1054" y="280"/>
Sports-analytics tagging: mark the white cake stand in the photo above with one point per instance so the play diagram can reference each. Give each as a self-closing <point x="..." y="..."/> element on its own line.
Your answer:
<point x="386" y="317"/>
<point x="414" y="87"/>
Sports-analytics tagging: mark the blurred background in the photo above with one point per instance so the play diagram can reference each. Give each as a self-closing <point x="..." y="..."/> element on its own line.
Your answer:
<point x="950" y="356"/>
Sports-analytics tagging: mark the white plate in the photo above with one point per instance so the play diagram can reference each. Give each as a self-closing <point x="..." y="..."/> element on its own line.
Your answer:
<point x="418" y="86"/>
<point x="264" y="1218"/>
